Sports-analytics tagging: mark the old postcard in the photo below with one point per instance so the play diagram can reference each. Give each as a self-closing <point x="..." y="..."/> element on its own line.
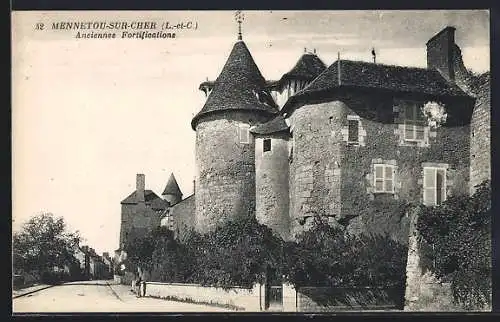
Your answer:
<point x="251" y="161"/>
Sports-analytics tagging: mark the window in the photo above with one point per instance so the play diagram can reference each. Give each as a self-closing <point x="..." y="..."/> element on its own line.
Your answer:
<point x="267" y="145"/>
<point x="414" y="122"/>
<point x="244" y="133"/>
<point x="353" y="131"/>
<point x="383" y="178"/>
<point x="434" y="186"/>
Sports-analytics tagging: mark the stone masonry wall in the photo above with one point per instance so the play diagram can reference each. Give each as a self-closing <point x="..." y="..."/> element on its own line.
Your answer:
<point x="424" y="292"/>
<point x="183" y="214"/>
<point x="271" y="182"/>
<point x="137" y="220"/>
<point x="384" y="213"/>
<point x="225" y="169"/>
<point x="242" y="299"/>
<point x="330" y="177"/>
<point x="480" y="137"/>
<point x="315" y="163"/>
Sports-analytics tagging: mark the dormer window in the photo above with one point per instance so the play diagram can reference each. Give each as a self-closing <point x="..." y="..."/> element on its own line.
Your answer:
<point x="414" y="122"/>
<point x="244" y="133"/>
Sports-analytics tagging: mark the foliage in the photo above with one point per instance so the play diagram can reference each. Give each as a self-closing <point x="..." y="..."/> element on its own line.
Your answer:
<point x="458" y="244"/>
<point x="239" y="253"/>
<point x="44" y="243"/>
<point x="235" y="254"/>
<point x="242" y="252"/>
<point x="328" y="256"/>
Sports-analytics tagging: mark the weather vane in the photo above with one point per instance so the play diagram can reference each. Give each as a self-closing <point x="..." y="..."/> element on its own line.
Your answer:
<point x="239" y="17"/>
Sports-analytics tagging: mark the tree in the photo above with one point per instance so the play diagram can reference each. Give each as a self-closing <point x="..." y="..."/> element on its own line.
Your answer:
<point x="44" y="243"/>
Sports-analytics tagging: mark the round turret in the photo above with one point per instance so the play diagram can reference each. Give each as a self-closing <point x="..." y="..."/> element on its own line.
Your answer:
<point x="225" y="148"/>
<point x="172" y="193"/>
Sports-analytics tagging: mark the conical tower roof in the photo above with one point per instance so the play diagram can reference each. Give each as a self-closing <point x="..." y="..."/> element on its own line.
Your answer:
<point x="308" y="68"/>
<point x="172" y="188"/>
<point x="240" y="86"/>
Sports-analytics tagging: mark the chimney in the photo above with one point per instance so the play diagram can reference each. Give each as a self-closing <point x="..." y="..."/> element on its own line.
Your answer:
<point x="440" y="51"/>
<point x="140" y="186"/>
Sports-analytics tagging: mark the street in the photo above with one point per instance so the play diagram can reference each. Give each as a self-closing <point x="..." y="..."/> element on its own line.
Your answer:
<point x="99" y="296"/>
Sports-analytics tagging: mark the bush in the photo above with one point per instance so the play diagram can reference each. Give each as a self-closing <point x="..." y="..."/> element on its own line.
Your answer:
<point x="456" y="242"/>
<point x="52" y="278"/>
<point x="328" y="256"/>
<point x="243" y="252"/>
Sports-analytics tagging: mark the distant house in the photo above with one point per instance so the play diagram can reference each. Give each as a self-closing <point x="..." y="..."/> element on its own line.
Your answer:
<point x="141" y="212"/>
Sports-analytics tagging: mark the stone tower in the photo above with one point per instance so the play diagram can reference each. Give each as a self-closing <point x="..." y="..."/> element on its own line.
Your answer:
<point x="272" y="153"/>
<point x="225" y="148"/>
<point x="172" y="192"/>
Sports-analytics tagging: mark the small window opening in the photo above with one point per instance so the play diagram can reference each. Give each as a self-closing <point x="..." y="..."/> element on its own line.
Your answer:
<point x="267" y="145"/>
<point x="244" y="133"/>
<point x="353" y="131"/>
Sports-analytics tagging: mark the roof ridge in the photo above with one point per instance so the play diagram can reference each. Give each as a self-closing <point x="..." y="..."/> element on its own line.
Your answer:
<point x="385" y="65"/>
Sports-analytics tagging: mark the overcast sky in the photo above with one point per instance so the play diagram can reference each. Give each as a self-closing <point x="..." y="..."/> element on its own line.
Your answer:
<point x="90" y="114"/>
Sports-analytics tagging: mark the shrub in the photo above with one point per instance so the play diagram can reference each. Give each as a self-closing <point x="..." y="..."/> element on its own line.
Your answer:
<point x="328" y="256"/>
<point x="456" y="241"/>
<point x="243" y="252"/>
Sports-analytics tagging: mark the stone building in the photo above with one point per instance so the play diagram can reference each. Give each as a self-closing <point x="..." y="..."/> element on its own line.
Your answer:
<point x="349" y="142"/>
<point x="141" y="211"/>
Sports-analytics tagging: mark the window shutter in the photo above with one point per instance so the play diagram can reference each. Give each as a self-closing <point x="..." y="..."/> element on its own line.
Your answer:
<point x="388" y="178"/>
<point x="429" y="186"/>
<point x="440" y="186"/>
<point x="419" y="130"/>
<point x="379" y="177"/>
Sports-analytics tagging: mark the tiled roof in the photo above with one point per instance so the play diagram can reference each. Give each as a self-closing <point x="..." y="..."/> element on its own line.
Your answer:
<point x="150" y="197"/>
<point x="277" y="124"/>
<point x="211" y="84"/>
<point x="308" y="68"/>
<point x="385" y="77"/>
<point x="240" y="86"/>
<point x="172" y="188"/>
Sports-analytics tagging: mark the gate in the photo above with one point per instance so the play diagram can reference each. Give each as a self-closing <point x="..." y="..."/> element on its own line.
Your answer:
<point x="274" y="298"/>
<point x="276" y="295"/>
<point x="274" y="290"/>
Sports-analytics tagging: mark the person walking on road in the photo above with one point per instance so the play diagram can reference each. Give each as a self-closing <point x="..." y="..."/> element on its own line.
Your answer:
<point x="138" y="286"/>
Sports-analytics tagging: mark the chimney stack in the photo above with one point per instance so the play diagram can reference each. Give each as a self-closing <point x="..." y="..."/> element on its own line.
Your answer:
<point x="440" y="52"/>
<point x="140" y="187"/>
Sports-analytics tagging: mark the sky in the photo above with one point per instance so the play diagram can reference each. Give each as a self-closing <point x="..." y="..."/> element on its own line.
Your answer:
<point x="89" y="114"/>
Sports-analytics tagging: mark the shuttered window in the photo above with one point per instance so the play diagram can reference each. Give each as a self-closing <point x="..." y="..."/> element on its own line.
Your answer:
<point x="434" y="186"/>
<point x="383" y="178"/>
<point x="244" y="133"/>
<point x="414" y="122"/>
